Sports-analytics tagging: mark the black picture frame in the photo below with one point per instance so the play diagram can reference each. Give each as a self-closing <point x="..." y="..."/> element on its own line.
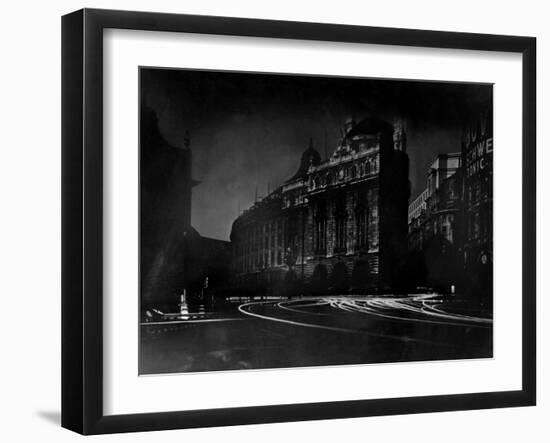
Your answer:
<point x="82" y="218"/>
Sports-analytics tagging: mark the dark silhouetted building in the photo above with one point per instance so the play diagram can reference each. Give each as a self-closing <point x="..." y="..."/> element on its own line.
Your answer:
<point x="451" y="221"/>
<point x="337" y="224"/>
<point x="477" y="154"/>
<point x="173" y="256"/>
<point x="435" y="225"/>
<point x="435" y="211"/>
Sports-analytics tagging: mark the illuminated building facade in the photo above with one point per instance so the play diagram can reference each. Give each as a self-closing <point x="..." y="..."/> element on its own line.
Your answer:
<point x="336" y="225"/>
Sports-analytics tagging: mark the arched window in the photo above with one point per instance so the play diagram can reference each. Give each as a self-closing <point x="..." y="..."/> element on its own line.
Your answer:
<point x="367" y="167"/>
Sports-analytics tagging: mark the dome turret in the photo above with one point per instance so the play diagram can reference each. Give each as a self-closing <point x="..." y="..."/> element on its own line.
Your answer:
<point x="310" y="157"/>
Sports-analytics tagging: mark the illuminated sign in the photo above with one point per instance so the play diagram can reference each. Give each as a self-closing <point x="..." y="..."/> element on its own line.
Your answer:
<point x="478" y="157"/>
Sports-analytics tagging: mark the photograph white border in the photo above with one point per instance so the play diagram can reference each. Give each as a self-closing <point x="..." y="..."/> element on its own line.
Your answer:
<point x="125" y="392"/>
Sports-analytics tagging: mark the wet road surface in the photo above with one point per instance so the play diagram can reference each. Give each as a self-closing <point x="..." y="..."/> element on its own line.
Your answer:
<point x="313" y="331"/>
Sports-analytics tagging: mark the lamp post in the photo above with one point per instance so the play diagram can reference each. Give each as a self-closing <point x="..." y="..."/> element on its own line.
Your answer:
<point x="183" y="271"/>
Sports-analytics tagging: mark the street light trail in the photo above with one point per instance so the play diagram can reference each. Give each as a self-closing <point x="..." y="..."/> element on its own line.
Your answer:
<point x="465" y="317"/>
<point x="375" y="306"/>
<point x="380" y="307"/>
<point x="245" y="309"/>
<point x="432" y="311"/>
<point x="395" y="317"/>
<point x="282" y="305"/>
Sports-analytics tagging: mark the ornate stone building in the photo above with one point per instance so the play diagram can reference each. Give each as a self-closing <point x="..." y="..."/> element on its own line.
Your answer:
<point x="435" y="227"/>
<point x="451" y="221"/>
<point x="435" y="212"/>
<point x="336" y="225"/>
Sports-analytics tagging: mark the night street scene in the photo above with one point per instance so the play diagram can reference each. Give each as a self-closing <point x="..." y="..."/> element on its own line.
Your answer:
<point x="296" y="221"/>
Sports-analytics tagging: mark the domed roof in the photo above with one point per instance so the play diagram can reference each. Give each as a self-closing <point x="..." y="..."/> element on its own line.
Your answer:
<point x="309" y="157"/>
<point x="370" y="126"/>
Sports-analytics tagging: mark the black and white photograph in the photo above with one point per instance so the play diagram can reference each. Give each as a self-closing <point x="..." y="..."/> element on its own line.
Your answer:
<point x="295" y="221"/>
<point x="266" y="222"/>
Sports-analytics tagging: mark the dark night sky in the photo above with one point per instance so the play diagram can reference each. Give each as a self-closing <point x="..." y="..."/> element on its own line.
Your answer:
<point x="248" y="130"/>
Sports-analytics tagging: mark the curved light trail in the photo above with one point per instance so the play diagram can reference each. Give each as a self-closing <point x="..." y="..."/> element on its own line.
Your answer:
<point x="283" y="305"/>
<point x="417" y="309"/>
<point x="389" y="307"/>
<point x="244" y="308"/>
<point x="247" y="309"/>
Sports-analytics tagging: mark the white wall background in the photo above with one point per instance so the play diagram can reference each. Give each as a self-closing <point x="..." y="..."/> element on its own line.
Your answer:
<point x="30" y="219"/>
